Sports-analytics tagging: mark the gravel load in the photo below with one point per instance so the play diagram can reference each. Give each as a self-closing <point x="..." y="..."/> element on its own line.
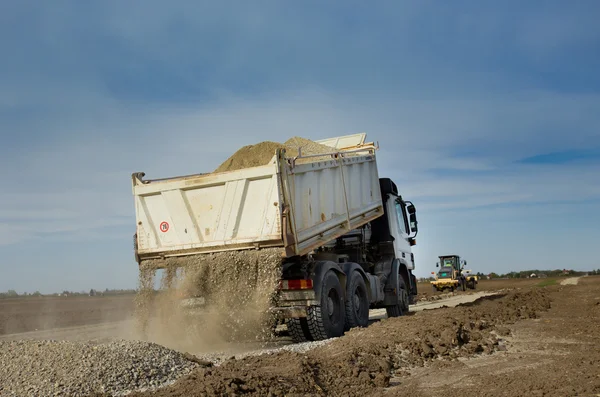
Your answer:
<point x="261" y="153"/>
<point x="61" y="368"/>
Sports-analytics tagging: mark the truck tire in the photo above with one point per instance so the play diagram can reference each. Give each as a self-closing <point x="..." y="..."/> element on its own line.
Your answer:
<point x="328" y="319"/>
<point x="400" y="308"/>
<point x="298" y="329"/>
<point x="357" y="303"/>
<point x="405" y="297"/>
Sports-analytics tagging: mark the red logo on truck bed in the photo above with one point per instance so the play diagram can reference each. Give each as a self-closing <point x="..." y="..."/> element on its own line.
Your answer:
<point x="164" y="226"/>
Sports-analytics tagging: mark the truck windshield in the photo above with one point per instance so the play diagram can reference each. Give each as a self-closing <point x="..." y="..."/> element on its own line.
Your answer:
<point x="449" y="262"/>
<point x="400" y="218"/>
<point x="445" y="272"/>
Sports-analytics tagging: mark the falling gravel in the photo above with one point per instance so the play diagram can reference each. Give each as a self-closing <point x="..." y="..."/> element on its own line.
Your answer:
<point x="49" y="368"/>
<point x="237" y="288"/>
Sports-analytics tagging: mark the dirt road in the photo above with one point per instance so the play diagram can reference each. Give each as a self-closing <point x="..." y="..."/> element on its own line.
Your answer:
<point x="570" y="281"/>
<point x="538" y="339"/>
<point x="553" y="355"/>
<point x="533" y="342"/>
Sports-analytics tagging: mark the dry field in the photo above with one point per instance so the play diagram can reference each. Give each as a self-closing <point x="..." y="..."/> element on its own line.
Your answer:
<point x="20" y="315"/>
<point x="34" y="314"/>
<point x="518" y="338"/>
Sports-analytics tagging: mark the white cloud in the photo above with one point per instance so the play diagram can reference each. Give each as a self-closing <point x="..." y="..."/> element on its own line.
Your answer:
<point x="84" y="183"/>
<point x="454" y="101"/>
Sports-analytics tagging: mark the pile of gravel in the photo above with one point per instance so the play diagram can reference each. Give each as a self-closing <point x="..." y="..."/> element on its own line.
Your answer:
<point x="262" y="153"/>
<point x="52" y="368"/>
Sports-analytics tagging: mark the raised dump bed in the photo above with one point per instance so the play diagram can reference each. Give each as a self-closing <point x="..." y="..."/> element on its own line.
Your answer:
<point x="288" y="203"/>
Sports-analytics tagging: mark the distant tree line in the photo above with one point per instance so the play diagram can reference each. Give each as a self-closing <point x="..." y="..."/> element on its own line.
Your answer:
<point x="541" y="273"/>
<point x="529" y="273"/>
<point x="107" y="292"/>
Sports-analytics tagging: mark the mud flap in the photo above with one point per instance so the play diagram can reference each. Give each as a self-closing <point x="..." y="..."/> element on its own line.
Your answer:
<point x="390" y="289"/>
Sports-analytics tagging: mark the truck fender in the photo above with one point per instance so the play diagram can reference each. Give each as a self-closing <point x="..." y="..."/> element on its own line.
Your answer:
<point x="320" y="269"/>
<point x="349" y="267"/>
<point x="413" y="280"/>
<point x="403" y="270"/>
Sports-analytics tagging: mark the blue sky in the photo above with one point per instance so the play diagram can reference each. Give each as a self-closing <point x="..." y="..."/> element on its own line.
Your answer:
<point x="487" y="113"/>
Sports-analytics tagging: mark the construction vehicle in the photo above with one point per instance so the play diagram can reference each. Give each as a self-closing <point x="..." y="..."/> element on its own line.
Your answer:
<point x="345" y="235"/>
<point x="450" y="276"/>
<point x="471" y="280"/>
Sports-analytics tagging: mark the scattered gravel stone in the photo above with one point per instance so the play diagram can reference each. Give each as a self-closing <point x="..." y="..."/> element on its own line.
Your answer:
<point x="61" y="368"/>
<point x="219" y="358"/>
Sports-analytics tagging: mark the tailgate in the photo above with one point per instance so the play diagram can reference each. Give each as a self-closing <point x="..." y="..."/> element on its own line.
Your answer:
<point x="208" y="212"/>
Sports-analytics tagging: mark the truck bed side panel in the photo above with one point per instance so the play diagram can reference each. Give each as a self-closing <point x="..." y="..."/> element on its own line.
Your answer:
<point x="329" y="200"/>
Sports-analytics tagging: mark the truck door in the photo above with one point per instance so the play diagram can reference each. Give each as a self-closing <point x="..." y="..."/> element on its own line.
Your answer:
<point x="399" y="230"/>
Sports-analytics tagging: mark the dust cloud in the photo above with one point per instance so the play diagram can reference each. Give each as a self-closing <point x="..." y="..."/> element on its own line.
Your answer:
<point x="235" y="288"/>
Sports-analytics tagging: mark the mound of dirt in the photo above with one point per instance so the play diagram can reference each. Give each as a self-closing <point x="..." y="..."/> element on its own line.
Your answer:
<point x="251" y="156"/>
<point x="261" y="153"/>
<point x="299" y="145"/>
<point x="364" y="360"/>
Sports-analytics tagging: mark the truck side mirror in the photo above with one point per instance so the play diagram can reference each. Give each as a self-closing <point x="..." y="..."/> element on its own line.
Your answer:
<point x="411" y="209"/>
<point x="413" y="222"/>
<point x="437" y="264"/>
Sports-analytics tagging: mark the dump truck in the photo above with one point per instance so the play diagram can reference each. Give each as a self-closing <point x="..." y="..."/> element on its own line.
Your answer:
<point x="344" y="234"/>
<point x="449" y="277"/>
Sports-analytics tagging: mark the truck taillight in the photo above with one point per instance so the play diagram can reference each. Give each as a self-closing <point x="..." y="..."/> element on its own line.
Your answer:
<point x="295" y="284"/>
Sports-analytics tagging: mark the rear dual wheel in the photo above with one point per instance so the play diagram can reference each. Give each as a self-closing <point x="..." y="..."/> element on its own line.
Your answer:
<point x="328" y="320"/>
<point x="402" y="306"/>
<point x="298" y="329"/>
<point x="357" y="302"/>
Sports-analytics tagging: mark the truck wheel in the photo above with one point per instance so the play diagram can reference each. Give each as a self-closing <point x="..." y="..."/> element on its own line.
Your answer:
<point x="357" y="303"/>
<point x="402" y="306"/>
<point x="298" y="329"/>
<point x="404" y="296"/>
<point x="327" y="320"/>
